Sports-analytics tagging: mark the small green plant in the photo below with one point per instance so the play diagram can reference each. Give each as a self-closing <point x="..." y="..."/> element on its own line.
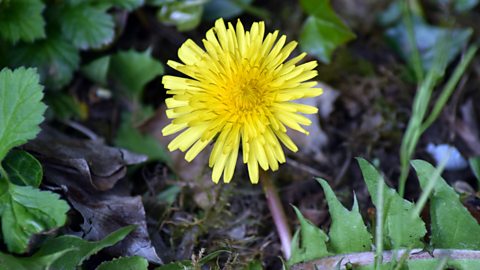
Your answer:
<point x="25" y="210"/>
<point x="437" y="52"/>
<point x="399" y="230"/>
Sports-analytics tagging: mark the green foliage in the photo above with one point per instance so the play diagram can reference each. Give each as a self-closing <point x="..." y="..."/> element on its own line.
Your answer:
<point x="191" y="265"/>
<point x="475" y="167"/>
<point x="21" y="20"/>
<point x="97" y="70"/>
<point x="420" y="120"/>
<point x="402" y="228"/>
<point x="133" y="70"/>
<point x="64" y="106"/>
<point x="185" y="14"/>
<point x="347" y="232"/>
<point x="30" y="263"/>
<point x="21" y="107"/>
<point x="71" y="25"/>
<point x="312" y="244"/>
<point x="452" y="226"/>
<point x="55" y="58"/>
<point x="323" y="31"/>
<point x="226" y="9"/>
<point x="255" y="265"/>
<point x="86" y="26"/>
<point x="64" y="252"/>
<point x="26" y="211"/>
<point x="23" y="169"/>
<point x="125" y="263"/>
<point x="132" y="139"/>
<point x="126" y="4"/>
<point x="428" y="38"/>
<point x="169" y="195"/>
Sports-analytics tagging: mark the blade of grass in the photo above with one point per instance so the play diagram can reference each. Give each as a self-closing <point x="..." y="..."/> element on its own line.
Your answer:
<point x="419" y="109"/>
<point x="450" y="86"/>
<point x="415" y="58"/>
<point x="429" y="188"/>
<point x="379" y="226"/>
<point x="442" y="263"/>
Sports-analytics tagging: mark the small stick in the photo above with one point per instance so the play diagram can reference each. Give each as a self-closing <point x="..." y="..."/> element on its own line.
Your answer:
<point x="368" y="258"/>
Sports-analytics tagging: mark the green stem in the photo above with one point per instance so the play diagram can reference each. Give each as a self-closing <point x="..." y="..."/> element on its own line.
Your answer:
<point x="415" y="58"/>
<point x="449" y="87"/>
<point x="278" y="213"/>
<point x="379" y="225"/>
<point x="404" y="170"/>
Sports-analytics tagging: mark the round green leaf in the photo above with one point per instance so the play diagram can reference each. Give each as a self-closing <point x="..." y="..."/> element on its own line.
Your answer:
<point x="23" y="169"/>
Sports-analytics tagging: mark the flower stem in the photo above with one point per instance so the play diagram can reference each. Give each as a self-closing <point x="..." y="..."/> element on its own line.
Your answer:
<point x="277" y="212"/>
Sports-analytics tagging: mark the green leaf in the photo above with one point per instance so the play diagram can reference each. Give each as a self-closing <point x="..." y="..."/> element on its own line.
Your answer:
<point x="126" y="4"/>
<point x="255" y="265"/>
<point x="213" y="255"/>
<point x="86" y="26"/>
<point x="21" y="108"/>
<point x="226" y="9"/>
<point x="97" y="70"/>
<point x="323" y="31"/>
<point x="22" y="20"/>
<point x="64" y="252"/>
<point x="348" y="232"/>
<point x="133" y="70"/>
<point x="475" y="167"/>
<point x="132" y="139"/>
<point x="30" y="263"/>
<point x="80" y="249"/>
<point x="179" y="265"/>
<point x="428" y="38"/>
<point x="313" y="242"/>
<point x="125" y="263"/>
<point x="187" y="264"/>
<point x="23" y="169"/>
<point x="65" y="106"/>
<point x="169" y="195"/>
<point x="402" y="229"/>
<point x="26" y="211"/>
<point x="185" y="15"/>
<point x="452" y="225"/>
<point x="55" y="58"/>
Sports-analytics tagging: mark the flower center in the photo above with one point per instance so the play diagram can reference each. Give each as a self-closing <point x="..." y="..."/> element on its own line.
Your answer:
<point x="247" y="95"/>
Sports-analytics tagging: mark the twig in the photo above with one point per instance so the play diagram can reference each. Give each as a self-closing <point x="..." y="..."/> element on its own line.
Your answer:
<point x="367" y="258"/>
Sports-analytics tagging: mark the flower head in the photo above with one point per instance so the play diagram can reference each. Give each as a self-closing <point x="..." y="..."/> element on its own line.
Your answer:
<point x="238" y="92"/>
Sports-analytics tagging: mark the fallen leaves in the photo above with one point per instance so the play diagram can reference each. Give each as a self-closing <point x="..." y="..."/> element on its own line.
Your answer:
<point x="89" y="172"/>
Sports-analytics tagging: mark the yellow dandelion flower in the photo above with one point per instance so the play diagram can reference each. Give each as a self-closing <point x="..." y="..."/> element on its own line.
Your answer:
<point x="238" y="92"/>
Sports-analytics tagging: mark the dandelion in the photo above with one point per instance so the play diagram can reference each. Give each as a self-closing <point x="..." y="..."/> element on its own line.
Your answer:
<point x="239" y="93"/>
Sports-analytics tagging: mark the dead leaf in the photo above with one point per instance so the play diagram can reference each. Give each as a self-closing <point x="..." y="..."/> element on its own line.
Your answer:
<point x="89" y="173"/>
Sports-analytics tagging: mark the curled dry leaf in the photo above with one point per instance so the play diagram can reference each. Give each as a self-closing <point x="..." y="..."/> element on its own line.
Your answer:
<point x="88" y="171"/>
<point x="99" y="165"/>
